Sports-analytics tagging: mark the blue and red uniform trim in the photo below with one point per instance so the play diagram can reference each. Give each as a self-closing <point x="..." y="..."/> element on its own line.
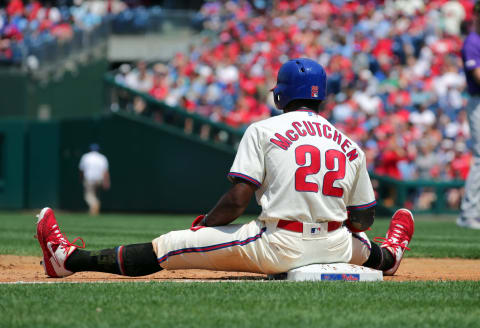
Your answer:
<point x="121" y="266"/>
<point x="362" y="207"/>
<point x="245" y="177"/>
<point x="210" y="248"/>
<point x="363" y="241"/>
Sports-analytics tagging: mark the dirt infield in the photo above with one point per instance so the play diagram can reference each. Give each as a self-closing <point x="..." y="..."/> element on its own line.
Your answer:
<point x="28" y="269"/>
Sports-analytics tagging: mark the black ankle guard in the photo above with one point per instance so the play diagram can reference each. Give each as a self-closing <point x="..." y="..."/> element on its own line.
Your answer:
<point x="375" y="259"/>
<point x="388" y="260"/>
<point x="139" y="260"/>
<point x="379" y="259"/>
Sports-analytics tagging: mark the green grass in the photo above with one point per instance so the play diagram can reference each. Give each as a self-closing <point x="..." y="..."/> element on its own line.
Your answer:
<point x="252" y="304"/>
<point x="434" y="236"/>
<point x="234" y="304"/>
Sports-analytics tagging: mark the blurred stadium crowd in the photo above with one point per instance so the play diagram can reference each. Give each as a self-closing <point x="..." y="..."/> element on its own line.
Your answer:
<point x="38" y="28"/>
<point x="395" y="80"/>
<point x="30" y="26"/>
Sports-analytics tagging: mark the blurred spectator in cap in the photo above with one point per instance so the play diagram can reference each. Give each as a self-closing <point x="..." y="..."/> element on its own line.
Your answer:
<point x="121" y="98"/>
<point x="94" y="174"/>
<point x="123" y="71"/>
<point x="139" y="79"/>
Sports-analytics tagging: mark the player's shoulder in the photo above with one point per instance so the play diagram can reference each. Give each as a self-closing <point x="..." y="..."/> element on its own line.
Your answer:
<point x="95" y="156"/>
<point x="352" y="141"/>
<point x="352" y="149"/>
<point x="472" y="36"/>
<point x="86" y="156"/>
<point x="354" y="152"/>
<point x="361" y="153"/>
<point x="102" y="157"/>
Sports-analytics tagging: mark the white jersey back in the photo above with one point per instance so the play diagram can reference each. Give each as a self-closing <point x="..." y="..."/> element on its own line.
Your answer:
<point x="93" y="165"/>
<point x="306" y="169"/>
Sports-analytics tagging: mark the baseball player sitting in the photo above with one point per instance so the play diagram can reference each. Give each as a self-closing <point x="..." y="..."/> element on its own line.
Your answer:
<point x="310" y="180"/>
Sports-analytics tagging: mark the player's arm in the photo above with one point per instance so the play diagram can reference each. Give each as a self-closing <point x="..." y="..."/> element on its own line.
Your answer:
<point x="360" y="220"/>
<point x="231" y="205"/>
<point x="106" y="180"/>
<point x="362" y="203"/>
<point x="472" y="60"/>
<point x="476" y="74"/>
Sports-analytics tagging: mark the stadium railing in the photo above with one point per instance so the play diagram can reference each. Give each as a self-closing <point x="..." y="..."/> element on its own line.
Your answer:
<point x="174" y="116"/>
<point x="394" y="194"/>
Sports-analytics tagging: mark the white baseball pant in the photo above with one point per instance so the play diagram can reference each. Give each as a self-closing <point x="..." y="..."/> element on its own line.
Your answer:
<point x="259" y="247"/>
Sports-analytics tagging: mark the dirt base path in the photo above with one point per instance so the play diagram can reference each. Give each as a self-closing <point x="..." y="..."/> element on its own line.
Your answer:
<point x="28" y="269"/>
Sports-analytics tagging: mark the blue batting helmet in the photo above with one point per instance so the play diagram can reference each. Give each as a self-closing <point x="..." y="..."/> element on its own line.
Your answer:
<point x="94" y="147"/>
<point x="300" y="78"/>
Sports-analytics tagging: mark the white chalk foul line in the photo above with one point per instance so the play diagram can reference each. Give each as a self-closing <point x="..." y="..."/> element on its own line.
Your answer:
<point x="123" y="282"/>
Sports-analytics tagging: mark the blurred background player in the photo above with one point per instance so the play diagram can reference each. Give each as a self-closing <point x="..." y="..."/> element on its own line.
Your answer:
<point x="470" y="208"/>
<point x="94" y="174"/>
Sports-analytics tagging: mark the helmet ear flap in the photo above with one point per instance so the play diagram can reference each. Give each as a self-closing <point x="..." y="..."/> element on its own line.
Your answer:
<point x="277" y="99"/>
<point x="278" y="96"/>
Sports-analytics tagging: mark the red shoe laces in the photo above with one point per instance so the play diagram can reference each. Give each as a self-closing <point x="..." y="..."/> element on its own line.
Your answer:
<point x="396" y="233"/>
<point x="63" y="239"/>
<point x="389" y="243"/>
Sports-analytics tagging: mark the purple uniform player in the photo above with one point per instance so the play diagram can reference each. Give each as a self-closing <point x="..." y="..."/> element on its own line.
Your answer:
<point x="470" y="210"/>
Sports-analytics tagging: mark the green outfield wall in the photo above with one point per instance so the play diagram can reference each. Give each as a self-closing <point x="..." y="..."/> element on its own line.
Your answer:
<point x="43" y="165"/>
<point x="13" y="163"/>
<point x="153" y="167"/>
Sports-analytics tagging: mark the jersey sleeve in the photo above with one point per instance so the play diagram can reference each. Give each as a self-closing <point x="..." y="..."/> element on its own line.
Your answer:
<point x="362" y="195"/>
<point x="472" y="55"/>
<point x="249" y="163"/>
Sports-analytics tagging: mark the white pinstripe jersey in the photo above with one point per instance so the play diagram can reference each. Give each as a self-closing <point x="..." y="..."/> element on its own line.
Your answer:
<point x="306" y="169"/>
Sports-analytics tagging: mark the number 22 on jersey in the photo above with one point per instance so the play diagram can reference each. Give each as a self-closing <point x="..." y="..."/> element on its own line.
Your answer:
<point x="329" y="178"/>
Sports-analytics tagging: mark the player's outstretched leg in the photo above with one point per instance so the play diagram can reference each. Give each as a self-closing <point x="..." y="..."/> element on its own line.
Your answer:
<point x="388" y="255"/>
<point x="62" y="258"/>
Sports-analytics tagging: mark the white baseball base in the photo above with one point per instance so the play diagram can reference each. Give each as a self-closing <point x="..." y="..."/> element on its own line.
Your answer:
<point x="331" y="272"/>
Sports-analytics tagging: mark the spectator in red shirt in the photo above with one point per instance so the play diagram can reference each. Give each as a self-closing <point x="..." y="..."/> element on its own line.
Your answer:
<point x="15" y="7"/>
<point x="160" y="87"/>
<point x="389" y="159"/>
<point x="460" y="164"/>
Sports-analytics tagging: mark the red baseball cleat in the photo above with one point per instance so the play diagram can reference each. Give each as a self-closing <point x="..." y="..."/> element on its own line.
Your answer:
<point x="55" y="246"/>
<point x="398" y="236"/>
